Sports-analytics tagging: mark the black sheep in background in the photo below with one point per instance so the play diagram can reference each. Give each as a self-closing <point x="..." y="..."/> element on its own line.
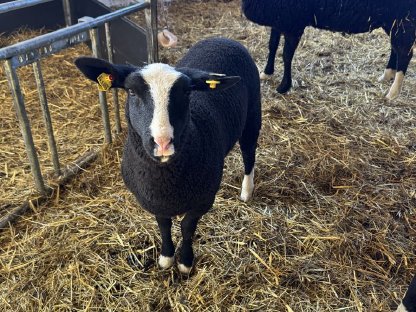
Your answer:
<point x="291" y="17"/>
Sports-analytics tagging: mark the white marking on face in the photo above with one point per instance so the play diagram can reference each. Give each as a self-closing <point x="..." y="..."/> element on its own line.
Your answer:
<point x="184" y="269"/>
<point x="166" y="262"/>
<point x="387" y="75"/>
<point x="247" y="187"/>
<point x="401" y="308"/>
<point x="160" y="79"/>
<point x="396" y="88"/>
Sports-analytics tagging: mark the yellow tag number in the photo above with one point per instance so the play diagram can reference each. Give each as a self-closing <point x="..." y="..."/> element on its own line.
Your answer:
<point x="212" y="83"/>
<point x="105" y="82"/>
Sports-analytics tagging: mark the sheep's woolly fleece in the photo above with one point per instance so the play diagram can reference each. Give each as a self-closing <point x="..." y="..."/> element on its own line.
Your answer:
<point x="331" y="227"/>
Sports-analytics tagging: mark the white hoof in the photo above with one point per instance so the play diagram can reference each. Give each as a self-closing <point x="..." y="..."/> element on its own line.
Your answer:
<point x="387" y="75"/>
<point x="392" y="95"/>
<point x="396" y="87"/>
<point x="247" y="187"/>
<point x="401" y="308"/>
<point x="184" y="269"/>
<point x="264" y="76"/>
<point x="166" y="262"/>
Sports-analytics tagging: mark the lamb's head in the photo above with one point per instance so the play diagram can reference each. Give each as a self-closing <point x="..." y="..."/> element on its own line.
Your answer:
<point x="158" y="99"/>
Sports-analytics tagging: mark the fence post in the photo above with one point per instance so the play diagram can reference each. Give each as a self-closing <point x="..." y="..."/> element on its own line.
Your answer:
<point x="113" y="90"/>
<point x="24" y="126"/>
<point x="46" y="116"/>
<point x="151" y="23"/>
<point x="67" y="12"/>
<point x="102" y="96"/>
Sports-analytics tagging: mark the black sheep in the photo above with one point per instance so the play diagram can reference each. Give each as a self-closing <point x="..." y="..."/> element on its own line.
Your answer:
<point x="291" y="17"/>
<point x="182" y="122"/>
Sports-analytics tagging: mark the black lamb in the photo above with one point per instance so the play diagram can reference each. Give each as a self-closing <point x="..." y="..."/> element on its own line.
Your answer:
<point x="291" y="17"/>
<point x="182" y="122"/>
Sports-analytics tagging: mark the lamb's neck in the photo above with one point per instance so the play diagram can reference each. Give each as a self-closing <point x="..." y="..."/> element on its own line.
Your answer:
<point x="260" y="11"/>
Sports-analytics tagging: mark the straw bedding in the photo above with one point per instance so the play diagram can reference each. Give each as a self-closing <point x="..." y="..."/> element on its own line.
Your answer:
<point x="331" y="226"/>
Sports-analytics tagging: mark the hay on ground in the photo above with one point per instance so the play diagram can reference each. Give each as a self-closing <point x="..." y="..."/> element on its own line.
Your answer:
<point x="331" y="227"/>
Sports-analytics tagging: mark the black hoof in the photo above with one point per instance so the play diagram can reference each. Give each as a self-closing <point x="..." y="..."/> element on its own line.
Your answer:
<point x="268" y="71"/>
<point x="283" y="88"/>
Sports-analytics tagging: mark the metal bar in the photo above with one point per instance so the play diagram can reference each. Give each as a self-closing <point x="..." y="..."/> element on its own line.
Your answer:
<point x="151" y="26"/>
<point x="67" y="12"/>
<point x="79" y="165"/>
<point x="102" y="96"/>
<point x="46" y="117"/>
<point x="16" y="5"/>
<point x="54" y="47"/>
<point x="24" y="126"/>
<point x="65" y="33"/>
<point x="113" y="90"/>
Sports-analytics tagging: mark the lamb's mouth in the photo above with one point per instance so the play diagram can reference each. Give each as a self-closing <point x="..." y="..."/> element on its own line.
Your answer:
<point x="164" y="159"/>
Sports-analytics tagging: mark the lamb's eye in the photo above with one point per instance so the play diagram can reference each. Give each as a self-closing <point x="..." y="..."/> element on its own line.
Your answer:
<point x="131" y="92"/>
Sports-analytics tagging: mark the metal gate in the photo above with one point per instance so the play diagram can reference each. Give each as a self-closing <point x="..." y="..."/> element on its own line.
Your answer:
<point x="32" y="50"/>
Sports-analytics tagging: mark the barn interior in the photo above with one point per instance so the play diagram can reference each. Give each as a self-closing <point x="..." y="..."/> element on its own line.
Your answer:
<point x="332" y="223"/>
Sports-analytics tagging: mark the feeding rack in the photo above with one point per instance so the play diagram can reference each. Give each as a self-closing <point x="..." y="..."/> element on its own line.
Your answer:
<point x="86" y="21"/>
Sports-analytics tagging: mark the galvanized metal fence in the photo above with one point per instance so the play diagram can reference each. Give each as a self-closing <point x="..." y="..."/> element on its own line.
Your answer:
<point x="32" y="50"/>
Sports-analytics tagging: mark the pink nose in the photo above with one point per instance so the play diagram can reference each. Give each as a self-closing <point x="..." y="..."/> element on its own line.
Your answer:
<point x="163" y="143"/>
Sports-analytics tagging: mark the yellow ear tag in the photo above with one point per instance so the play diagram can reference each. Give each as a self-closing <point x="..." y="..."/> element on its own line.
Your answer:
<point x="105" y="81"/>
<point x="213" y="83"/>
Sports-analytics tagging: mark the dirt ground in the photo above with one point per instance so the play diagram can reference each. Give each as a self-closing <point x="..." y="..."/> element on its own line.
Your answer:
<point x="331" y="226"/>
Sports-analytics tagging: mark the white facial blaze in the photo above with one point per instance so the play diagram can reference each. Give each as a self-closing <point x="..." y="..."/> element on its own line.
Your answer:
<point x="160" y="79"/>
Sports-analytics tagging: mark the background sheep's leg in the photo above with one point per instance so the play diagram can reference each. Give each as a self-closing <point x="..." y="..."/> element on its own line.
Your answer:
<point x="391" y="67"/>
<point x="186" y="254"/>
<point x="166" y="257"/>
<point x="248" y="145"/>
<point x="273" y="45"/>
<point x="402" y="43"/>
<point x="291" y="43"/>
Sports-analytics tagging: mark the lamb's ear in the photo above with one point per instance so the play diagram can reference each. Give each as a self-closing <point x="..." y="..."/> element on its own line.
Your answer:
<point x="104" y="73"/>
<point x="204" y="81"/>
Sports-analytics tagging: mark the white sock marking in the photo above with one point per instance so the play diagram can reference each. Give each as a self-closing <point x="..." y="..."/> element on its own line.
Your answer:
<point x="401" y="308"/>
<point x="247" y="187"/>
<point x="166" y="262"/>
<point x="264" y="76"/>
<point x="184" y="269"/>
<point x="387" y="75"/>
<point x="396" y="87"/>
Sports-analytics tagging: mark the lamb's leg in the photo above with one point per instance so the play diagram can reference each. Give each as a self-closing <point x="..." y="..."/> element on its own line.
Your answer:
<point x="166" y="257"/>
<point x="186" y="254"/>
<point x="390" y="70"/>
<point x="403" y="60"/>
<point x="291" y="43"/>
<point x="248" y="145"/>
<point x="273" y="45"/>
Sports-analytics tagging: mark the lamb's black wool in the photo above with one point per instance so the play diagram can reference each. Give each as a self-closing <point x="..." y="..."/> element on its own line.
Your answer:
<point x="207" y="122"/>
<point x="408" y="303"/>
<point x="291" y="17"/>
